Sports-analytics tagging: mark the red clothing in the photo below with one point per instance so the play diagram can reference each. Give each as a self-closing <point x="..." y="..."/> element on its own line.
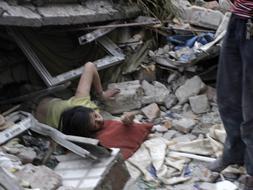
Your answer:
<point x="114" y="134"/>
<point x="243" y="8"/>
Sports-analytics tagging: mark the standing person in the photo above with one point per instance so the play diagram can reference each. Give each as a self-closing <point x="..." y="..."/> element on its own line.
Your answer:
<point x="235" y="91"/>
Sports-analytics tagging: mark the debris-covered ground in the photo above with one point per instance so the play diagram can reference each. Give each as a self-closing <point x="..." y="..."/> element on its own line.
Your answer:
<point x="163" y="57"/>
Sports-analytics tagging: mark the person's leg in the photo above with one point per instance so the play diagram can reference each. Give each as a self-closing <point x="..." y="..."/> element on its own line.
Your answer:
<point x="90" y="78"/>
<point x="247" y="103"/>
<point x="229" y="95"/>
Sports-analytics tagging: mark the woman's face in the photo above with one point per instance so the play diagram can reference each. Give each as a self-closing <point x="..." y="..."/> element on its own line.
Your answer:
<point x="96" y="120"/>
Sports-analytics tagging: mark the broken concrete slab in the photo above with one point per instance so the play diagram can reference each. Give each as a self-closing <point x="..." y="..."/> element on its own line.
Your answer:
<point x="39" y="177"/>
<point x="128" y="99"/>
<point x="195" y="15"/>
<point x="191" y="87"/>
<point x="147" y="100"/>
<point x="184" y="125"/>
<point x="64" y="14"/>
<point x="151" y="111"/>
<point x="157" y="91"/>
<point x="203" y="17"/>
<point x="199" y="104"/>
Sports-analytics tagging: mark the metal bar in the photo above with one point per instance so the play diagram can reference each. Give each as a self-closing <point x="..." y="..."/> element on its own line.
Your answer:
<point x="121" y="25"/>
<point x="192" y="156"/>
<point x="59" y="138"/>
<point x="92" y="36"/>
<point x="32" y="57"/>
<point x="108" y="62"/>
<point x="110" y="46"/>
<point x="103" y="63"/>
<point x="81" y="139"/>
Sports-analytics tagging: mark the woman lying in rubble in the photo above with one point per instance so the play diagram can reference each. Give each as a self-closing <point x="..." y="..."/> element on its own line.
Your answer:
<point x="79" y="116"/>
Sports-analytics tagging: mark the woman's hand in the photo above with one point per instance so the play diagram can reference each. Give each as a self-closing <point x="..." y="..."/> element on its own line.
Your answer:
<point x="128" y="117"/>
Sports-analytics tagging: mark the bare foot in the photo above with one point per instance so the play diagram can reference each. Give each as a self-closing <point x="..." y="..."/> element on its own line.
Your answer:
<point x="110" y="94"/>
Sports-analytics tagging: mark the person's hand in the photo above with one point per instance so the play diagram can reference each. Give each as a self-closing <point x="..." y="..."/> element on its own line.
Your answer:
<point x="127" y="118"/>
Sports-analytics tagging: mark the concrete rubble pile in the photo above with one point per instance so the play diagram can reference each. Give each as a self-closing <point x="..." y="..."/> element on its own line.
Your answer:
<point x="170" y="80"/>
<point x="187" y="134"/>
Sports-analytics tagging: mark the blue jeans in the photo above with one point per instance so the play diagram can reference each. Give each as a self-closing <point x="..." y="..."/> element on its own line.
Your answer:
<point x="235" y="94"/>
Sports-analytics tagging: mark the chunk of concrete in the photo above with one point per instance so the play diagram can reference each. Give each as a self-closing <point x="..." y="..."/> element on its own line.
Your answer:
<point x="178" y="8"/>
<point x="128" y="99"/>
<point x="39" y="177"/>
<point x="184" y="138"/>
<point x="184" y="125"/>
<point x="170" y="101"/>
<point x="160" y="128"/>
<point x="203" y="17"/>
<point x="148" y="100"/>
<point x="27" y="155"/>
<point x="191" y="87"/>
<point x="170" y="134"/>
<point x="199" y="104"/>
<point x="151" y="112"/>
<point x="211" y="94"/>
<point x="158" y="91"/>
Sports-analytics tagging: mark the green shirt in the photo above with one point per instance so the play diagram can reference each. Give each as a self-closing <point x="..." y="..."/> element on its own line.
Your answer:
<point x="56" y="106"/>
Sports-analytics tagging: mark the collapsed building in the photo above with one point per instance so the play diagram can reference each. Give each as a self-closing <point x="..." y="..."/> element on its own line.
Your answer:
<point x="165" y="68"/>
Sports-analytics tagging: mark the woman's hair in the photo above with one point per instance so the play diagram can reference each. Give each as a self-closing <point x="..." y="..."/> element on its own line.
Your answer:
<point x="76" y="121"/>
